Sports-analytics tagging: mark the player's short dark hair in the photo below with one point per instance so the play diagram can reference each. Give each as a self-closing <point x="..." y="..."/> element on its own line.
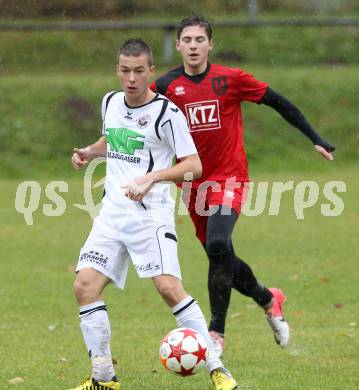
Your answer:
<point x="195" y="20"/>
<point x="135" y="47"/>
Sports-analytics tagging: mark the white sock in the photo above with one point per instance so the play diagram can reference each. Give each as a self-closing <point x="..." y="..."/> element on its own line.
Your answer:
<point x="96" y="331"/>
<point x="189" y="315"/>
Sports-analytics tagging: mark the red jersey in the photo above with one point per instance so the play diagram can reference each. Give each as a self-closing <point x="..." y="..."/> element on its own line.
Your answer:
<point x="211" y="101"/>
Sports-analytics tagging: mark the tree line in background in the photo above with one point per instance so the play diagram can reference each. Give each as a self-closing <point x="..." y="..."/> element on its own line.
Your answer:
<point x="125" y="8"/>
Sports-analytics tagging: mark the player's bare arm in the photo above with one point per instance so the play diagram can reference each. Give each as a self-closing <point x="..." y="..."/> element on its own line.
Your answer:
<point x="293" y="115"/>
<point x="138" y="188"/>
<point x="82" y="156"/>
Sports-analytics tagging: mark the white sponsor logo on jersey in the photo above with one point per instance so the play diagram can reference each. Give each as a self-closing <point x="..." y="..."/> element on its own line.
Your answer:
<point x="203" y="115"/>
<point x="180" y="90"/>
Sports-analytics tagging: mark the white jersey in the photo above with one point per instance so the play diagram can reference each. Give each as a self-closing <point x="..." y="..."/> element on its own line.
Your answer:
<point x="140" y="140"/>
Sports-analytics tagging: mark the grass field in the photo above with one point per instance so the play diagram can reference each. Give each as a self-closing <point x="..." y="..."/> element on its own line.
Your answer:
<point x="314" y="260"/>
<point x="51" y="86"/>
<point x="43" y="116"/>
<point x="94" y="50"/>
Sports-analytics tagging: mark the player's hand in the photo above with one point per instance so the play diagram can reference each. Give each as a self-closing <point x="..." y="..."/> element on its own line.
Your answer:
<point x="327" y="155"/>
<point x="80" y="158"/>
<point x="138" y="188"/>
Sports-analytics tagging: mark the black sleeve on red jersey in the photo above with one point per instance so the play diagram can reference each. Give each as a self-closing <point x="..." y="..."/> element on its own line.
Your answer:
<point x="292" y="114"/>
<point x="164" y="81"/>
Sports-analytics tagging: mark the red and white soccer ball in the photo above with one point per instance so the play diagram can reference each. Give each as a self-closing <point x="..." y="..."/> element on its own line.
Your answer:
<point x="183" y="351"/>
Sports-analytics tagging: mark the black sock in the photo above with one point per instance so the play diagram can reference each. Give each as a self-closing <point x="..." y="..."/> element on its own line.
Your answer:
<point x="221" y="261"/>
<point x="246" y="283"/>
<point x="220" y="277"/>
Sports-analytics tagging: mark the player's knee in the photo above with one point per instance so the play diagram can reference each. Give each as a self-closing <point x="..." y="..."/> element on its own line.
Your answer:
<point x="170" y="289"/>
<point x="165" y="288"/>
<point x="79" y="289"/>
<point x="218" y="246"/>
<point x="84" y="290"/>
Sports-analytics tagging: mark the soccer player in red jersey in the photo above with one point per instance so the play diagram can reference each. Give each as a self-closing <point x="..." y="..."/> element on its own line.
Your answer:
<point x="210" y="96"/>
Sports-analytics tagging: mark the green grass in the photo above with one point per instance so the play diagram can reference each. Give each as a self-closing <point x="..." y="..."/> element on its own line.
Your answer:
<point x="314" y="260"/>
<point x="53" y="82"/>
<point x="95" y="50"/>
<point x="43" y="116"/>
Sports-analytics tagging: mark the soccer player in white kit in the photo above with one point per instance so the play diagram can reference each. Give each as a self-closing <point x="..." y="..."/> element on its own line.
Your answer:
<point x="142" y="132"/>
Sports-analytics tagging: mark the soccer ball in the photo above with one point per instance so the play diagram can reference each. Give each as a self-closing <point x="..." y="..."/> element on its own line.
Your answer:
<point x="183" y="351"/>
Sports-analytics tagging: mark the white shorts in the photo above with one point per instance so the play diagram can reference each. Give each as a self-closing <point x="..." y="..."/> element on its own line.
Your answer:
<point x="151" y="246"/>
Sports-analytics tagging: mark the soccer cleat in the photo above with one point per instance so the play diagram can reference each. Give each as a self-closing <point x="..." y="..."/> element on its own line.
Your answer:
<point x="92" y="384"/>
<point x="223" y="380"/>
<point x="217" y="344"/>
<point x="275" y="318"/>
